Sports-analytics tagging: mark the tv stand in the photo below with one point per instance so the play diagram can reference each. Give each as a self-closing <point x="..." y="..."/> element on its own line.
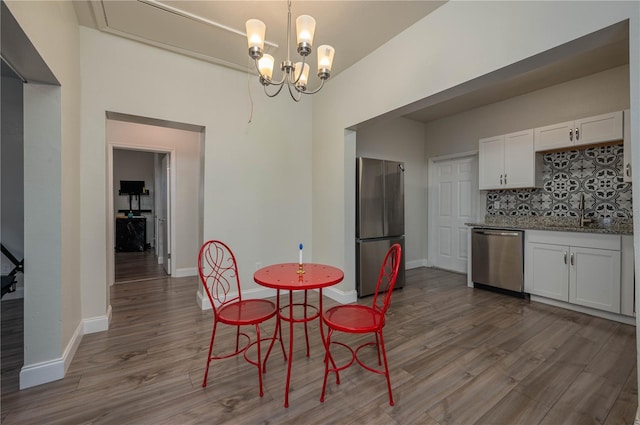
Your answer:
<point x="131" y="234"/>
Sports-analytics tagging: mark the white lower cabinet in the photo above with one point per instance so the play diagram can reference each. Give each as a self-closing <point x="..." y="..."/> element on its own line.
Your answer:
<point x="546" y="268"/>
<point x="594" y="278"/>
<point x="578" y="268"/>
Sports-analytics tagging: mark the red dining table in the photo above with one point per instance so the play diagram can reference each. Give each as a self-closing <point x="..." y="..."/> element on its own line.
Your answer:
<point x="293" y="277"/>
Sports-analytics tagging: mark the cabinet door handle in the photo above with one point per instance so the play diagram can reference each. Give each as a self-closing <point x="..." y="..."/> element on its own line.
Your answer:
<point x="500" y="178"/>
<point x="577" y="134"/>
<point x="572" y="258"/>
<point x="628" y="169"/>
<point x="565" y="257"/>
<point x="505" y="178"/>
<point x="571" y="134"/>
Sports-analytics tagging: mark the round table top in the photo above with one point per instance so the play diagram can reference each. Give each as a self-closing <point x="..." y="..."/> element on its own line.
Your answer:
<point x="285" y="276"/>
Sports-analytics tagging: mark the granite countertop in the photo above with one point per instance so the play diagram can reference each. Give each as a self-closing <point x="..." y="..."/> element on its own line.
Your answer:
<point x="617" y="226"/>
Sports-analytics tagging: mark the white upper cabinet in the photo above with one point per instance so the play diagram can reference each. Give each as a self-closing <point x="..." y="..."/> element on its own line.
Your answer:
<point x="586" y="131"/>
<point x="491" y="162"/>
<point x="554" y="136"/>
<point x="507" y="161"/>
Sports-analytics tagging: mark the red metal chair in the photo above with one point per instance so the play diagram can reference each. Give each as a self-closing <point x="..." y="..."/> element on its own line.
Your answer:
<point x="219" y="274"/>
<point x="360" y="319"/>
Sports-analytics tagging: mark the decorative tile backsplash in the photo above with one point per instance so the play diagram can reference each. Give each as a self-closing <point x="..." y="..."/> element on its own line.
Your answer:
<point x="596" y="172"/>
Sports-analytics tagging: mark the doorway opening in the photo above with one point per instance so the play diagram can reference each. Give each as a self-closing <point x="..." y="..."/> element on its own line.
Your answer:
<point x="141" y="207"/>
<point x="148" y="236"/>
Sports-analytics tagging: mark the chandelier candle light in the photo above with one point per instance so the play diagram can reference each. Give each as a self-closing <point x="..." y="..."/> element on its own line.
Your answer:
<point x="294" y="75"/>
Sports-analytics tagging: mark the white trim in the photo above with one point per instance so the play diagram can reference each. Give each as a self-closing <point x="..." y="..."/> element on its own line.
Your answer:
<point x="51" y="370"/>
<point x="98" y="323"/>
<point x="202" y="301"/>
<point x="637" y="418"/>
<point x="415" y="264"/>
<point x="343" y="297"/>
<point x="586" y="310"/>
<point x="185" y="272"/>
<point x="250" y="294"/>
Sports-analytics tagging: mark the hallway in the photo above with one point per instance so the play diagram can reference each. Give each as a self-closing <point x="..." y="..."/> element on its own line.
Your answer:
<point x="137" y="266"/>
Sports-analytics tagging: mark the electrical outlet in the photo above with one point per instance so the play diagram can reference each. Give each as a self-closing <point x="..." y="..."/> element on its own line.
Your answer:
<point x="496" y="205"/>
<point x="258" y="265"/>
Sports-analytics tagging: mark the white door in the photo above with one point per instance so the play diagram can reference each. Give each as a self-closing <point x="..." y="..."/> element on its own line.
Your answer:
<point x="164" y="236"/>
<point x="453" y="203"/>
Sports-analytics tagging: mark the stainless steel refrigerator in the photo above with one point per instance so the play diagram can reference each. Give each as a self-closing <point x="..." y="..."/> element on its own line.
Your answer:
<point x="379" y="219"/>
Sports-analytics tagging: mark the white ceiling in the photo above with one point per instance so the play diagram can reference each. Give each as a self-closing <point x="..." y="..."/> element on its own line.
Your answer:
<point x="214" y="31"/>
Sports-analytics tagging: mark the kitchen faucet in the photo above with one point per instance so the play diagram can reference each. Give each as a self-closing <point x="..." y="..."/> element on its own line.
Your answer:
<point x="583" y="219"/>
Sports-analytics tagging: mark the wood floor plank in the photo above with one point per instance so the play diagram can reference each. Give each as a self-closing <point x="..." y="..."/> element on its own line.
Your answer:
<point x="623" y="410"/>
<point x="457" y="355"/>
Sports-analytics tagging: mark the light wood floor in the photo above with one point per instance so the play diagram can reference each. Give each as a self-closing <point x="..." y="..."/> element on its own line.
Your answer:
<point x="457" y="356"/>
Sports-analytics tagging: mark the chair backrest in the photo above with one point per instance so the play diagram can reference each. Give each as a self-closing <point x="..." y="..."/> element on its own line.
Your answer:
<point x="387" y="279"/>
<point x="218" y="272"/>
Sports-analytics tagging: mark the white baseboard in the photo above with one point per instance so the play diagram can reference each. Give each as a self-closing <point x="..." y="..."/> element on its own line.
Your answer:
<point x="416" y="264"/>
<point x="51" y="370"/>
<point x="202" y="301"/>
<point x="591" y="311"/>
<point x="186" y="272"/>
<point x="343" y="297"/>
<point x="251" y="294"/>
<point x="97" y="324"/>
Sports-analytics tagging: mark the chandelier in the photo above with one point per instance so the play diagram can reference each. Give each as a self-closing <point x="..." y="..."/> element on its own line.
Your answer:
<point x="295" y="76"/>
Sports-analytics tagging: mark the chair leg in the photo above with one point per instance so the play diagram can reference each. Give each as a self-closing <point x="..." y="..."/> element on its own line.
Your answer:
<point x="327" y="356"/>
<point x="328" y="359"/>
<point x="213" y="335"/>
<point x="277" y="333"/>
<point x="378" y="348"/>
<point x="259" y="358"/>
<point x="386" y="368"/>
<point x="237" y="337"/>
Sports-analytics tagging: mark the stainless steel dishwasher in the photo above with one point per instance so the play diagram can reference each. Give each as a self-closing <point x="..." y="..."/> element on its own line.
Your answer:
<point x="497" y="258"/>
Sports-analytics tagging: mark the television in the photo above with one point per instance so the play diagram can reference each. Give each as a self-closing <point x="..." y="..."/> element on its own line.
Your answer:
<point x="131" y="187"/>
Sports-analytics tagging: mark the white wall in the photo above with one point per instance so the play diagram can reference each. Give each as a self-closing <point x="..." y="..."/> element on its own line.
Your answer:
<point x="257" y="176"/>
<point x="458" y="42"/>
<point x="595" y="94"/>
<point x="186" y="146"/>
<point x="494" y="34"/>
<point x="402" y="139"/>
<point x="52" y="325"/>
